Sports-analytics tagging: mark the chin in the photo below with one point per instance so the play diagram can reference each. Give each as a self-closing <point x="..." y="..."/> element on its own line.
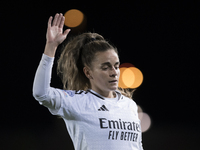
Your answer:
<point x="114" y="88"/>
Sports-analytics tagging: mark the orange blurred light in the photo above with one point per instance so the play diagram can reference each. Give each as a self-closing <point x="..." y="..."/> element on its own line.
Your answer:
<point x="131" y="77"/>
<point x="139" y="77"/>
<point x="128" y="77"/>
<point x="73" y="18"/>
<point x="121" y="83"/>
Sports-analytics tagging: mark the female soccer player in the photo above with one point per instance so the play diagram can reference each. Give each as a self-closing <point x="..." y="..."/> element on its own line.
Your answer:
<point x="96" y="114"/>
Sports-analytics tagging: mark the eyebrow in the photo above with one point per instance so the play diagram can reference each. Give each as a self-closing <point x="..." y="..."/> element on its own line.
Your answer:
<point x="108" y="63"/>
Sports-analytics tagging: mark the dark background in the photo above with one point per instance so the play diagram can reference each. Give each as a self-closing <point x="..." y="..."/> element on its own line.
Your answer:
<point x="159" y="38"/>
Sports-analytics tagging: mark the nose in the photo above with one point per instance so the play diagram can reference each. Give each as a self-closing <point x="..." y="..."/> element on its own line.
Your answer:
<point x="113" y="72"/>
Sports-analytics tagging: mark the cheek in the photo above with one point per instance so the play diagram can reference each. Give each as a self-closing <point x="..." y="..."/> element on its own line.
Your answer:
<point x="100" y="76"/>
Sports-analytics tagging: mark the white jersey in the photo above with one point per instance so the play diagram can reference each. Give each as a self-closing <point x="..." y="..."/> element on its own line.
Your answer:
<point x="93" y="121"/>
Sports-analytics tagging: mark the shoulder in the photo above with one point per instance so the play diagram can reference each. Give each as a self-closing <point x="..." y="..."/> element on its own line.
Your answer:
<point x="123" y="97"/>
<point x="74" y="94"/>
<point x="127" y="100"/>
<point x="75" y="100"/>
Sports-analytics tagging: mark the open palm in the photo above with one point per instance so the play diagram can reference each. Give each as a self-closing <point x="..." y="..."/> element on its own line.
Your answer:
<point x="55" y="30"/>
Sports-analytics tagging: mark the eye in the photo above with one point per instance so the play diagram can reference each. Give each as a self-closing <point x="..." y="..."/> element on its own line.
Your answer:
<point x="104" y="68"/>
<point x="116" y="67"/>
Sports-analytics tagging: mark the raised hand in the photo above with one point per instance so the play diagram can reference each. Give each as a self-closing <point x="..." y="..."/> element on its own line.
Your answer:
<point x="55" y="34"/>
<point x="55" y="30"/>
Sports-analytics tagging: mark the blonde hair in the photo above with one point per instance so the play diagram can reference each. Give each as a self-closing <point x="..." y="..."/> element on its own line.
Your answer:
<point x="79" y="52"/>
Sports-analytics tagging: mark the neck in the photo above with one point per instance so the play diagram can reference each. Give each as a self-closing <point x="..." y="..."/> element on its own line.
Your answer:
<point x="107" y="94"/>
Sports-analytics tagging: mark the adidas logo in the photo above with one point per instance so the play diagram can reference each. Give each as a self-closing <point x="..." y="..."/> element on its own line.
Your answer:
<point x="103" y="108"/>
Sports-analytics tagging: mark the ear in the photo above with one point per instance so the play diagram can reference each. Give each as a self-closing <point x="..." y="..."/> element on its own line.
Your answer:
<point x="87" y="70"/>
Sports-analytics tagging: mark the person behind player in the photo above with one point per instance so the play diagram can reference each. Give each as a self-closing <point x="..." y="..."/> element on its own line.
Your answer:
<point x="96" y="113"/>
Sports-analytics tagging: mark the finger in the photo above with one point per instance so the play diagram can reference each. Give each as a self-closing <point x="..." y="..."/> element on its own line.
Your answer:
<point x="66" y="32"/>
<point x="49" y="21"/>
<point x="62" y="22"/>
<point x="55" y="19"/>
<point x="59" y="20"/>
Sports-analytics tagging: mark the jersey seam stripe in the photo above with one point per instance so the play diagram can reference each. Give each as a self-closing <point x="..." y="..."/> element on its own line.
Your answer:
<point x="96" y="95"/>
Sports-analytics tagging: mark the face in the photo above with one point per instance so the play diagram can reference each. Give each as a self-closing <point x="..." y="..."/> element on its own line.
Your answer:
<point x="104" y="74"/>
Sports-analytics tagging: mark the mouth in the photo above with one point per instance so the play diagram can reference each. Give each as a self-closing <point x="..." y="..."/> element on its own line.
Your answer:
<point x="113" y="81"/>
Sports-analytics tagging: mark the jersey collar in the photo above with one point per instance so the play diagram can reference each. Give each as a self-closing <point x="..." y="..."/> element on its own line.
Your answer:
<point x="101" y="97"/>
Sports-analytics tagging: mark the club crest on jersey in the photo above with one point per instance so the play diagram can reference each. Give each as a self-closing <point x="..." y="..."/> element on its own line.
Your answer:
<point x="70" y="93"/>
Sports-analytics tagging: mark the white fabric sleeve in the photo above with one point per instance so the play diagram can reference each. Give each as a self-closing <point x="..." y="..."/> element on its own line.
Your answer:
<point x="42" y="92"/>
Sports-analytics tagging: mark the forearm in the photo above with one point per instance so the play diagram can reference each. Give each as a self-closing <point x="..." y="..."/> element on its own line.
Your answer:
<point x="42" y="78"/>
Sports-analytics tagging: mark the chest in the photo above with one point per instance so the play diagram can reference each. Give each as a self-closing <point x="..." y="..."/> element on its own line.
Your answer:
<point x="108" y="117"/>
